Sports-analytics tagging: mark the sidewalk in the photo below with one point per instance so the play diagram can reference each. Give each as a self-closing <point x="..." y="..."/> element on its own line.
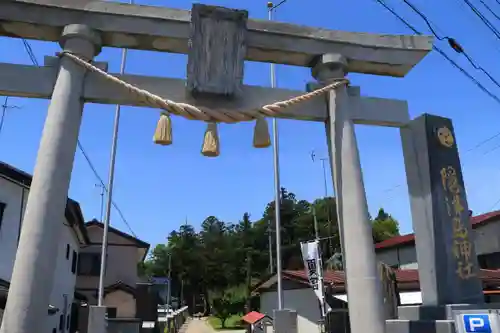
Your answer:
<point x="199" y="326"/>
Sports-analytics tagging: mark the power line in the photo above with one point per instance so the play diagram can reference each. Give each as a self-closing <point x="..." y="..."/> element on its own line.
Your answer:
<point x="33" y="59"/>
<point x="3" y="113"/>
<point x="483" y="18"/>
<point x="94" y="170"/>
<point x="276" y="6"/>
<point x="453" y="43"/>
<point x="490" y="10"/>
<point x="442" y="53"/>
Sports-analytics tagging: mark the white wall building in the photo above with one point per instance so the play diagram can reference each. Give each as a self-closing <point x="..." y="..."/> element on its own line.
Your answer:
<point x="14" y="190"/>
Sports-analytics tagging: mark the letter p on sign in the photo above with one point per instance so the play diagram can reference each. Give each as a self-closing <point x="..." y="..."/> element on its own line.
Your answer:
<point x="477" y="323"/>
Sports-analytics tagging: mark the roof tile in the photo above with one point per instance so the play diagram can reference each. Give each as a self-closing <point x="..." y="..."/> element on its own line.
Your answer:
<point x="410" y="238"/>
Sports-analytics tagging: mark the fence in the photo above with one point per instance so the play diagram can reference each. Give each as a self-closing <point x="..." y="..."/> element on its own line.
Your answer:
<point x="173" y="322"/>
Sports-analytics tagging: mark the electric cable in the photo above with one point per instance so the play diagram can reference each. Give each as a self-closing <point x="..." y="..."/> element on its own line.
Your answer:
<point x="453" y="63"/>
<point x="34" y="60"/>
<point x="453" y="43"/>
<point x="483" y="18"/>
<point x="490" y="10"/>
<point x="4" y="111"/>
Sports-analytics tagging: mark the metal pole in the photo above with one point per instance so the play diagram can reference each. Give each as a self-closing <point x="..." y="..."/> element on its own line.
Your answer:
<point x="270" y="242"/>
<point x="5" y="106"/>
<point x="323" y="160"/>
<point x="316" y="228"/>
<point x="101" y="216"/>
<point x="328" y="212"/>
<point x="277" y="186"/>
<point x="102" y="203"/>
<point x="169" y="289"/>
<point x="109" y="199"/>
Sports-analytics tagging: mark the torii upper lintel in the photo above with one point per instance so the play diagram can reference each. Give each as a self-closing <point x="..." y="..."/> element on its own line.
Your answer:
<point x="166" y="29"/>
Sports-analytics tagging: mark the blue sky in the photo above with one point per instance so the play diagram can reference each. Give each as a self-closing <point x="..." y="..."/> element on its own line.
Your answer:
<point x="157" y="188"/>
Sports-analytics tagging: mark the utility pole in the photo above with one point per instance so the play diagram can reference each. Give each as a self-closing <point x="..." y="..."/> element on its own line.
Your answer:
<point x="277" y="186"/>
<point x="111" y="177"/>
<point x="169" y="287"/>
<point x="316" y="228"/>
<point x="5" y="107"/>
<point x="103" y="189"/>
<point x="270" y="243"/>
<point x="328" y="212"/>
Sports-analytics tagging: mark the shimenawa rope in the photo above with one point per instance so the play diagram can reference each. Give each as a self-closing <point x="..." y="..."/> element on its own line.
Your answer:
<point x="202" y="113"/>
<point x="210" y="147"/>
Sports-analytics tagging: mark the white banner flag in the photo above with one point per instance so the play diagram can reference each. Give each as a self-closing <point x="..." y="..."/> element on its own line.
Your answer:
<point x="312" y="263"/>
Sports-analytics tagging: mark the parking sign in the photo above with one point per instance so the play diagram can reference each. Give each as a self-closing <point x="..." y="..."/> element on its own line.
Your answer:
<point x="477" y="323"/>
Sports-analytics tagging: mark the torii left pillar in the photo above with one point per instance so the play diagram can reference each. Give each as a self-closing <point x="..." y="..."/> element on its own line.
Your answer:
<point x="32" y="278"/>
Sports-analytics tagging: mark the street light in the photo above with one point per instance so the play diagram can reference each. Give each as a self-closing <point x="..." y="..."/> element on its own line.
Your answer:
<point x="328" y="212"/>
<point x="277" y="186"/>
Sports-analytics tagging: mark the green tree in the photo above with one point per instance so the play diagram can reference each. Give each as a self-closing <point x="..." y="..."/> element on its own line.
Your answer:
<point x="384" y="226"/>
<point x="227" y="303"/>
<point x="208" y="266"/>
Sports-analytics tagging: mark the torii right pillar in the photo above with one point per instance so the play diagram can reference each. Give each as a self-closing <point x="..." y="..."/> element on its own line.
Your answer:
<point x="366" y="309"/>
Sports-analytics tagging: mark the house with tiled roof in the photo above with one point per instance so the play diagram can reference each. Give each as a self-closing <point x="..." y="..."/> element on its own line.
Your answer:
<point x="397" y="252"/>
<point x="120" y="282"/>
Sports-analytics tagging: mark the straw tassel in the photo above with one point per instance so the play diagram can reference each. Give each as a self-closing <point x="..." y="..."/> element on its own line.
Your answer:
<point x="163" y="132"/>
<point x="211" y="141"/>
<point x="261" y="137"/>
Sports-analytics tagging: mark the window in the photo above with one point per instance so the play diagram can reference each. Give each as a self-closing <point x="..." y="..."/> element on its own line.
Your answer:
<point x="67" y="322"/>
<point x="111" y="312"/>
<point x="2" y="209"/>
<point x="89" y="264"/>
<point x="74" y="261"/>
<point x="67" y="251"/>
<point x="61" y="322"/>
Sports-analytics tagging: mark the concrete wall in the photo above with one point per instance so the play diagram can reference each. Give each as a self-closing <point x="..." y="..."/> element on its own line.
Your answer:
<point x="15" y="197"/>
<point x="123" y="302"/>
<point x="403" y="257"/>
<point x="304" y="301"/>
<point x="487" y="238"/>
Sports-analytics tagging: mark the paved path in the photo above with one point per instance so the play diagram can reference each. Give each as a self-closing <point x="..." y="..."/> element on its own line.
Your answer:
<point x="201" y="326"/>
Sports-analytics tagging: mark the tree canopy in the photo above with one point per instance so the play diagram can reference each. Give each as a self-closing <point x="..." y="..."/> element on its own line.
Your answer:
<point x="225" y="256"/>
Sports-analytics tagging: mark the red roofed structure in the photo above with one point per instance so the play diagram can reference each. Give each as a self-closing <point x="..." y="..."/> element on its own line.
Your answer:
<point x="253" y="317"/>
<point x="407" y="279"/>
<point x="410" y="238"/>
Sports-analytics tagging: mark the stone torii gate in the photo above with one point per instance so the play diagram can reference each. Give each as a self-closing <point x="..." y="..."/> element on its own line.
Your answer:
<point x="82" y="27"/>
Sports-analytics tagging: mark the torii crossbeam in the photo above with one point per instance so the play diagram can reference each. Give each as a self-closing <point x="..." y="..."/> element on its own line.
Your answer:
<point x="82" y="27"/>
